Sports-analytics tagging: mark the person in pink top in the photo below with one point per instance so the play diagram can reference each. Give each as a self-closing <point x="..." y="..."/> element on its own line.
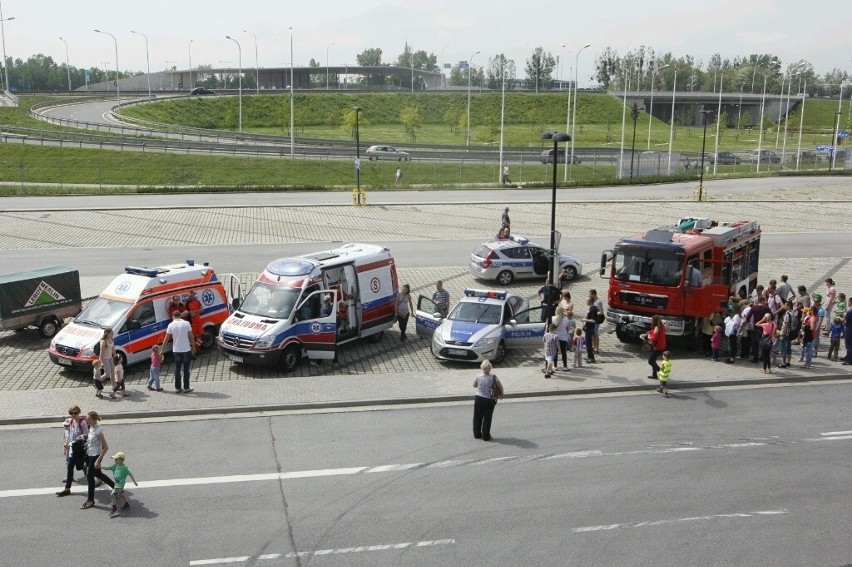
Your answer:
<point x="154" y="373"/>
<point x="716" y="343"/>
<point x="767" y="339"/>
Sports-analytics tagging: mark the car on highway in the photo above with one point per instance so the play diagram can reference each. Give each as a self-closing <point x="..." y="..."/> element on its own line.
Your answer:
<point x="764" y="156"/>
<point x="725" y="158"/>
<point x="198" y="91"/>
<point x="387" y="152"/>
<point x="547" y="156"/>
<point x="481" y="326"/>
<point x="516" y="257"/>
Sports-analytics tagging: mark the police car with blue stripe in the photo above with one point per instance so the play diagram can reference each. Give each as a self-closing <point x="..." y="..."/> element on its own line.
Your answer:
<point x="482" y="325"/>
<point x="516" y="257"/>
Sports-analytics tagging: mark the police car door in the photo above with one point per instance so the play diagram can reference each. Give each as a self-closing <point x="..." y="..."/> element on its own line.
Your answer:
<point x="317" y="331"/>
<point x="425" y="317"/>
<point x="525" y="328"/>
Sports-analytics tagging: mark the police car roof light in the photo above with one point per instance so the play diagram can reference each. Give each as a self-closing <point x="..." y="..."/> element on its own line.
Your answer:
<point x="147" y="272"/>
<point x="489" y="293"/>
<point x="519" y="239"/>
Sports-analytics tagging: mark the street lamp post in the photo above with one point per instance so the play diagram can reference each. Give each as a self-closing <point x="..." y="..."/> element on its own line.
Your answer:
<point x="704" y="113"/>
<point x="240" y="80"/>
<point x="634" y="114"/>
<point x="651" y="111"/>
<point x="147" y="60"/>
<point x="256" y="64"/>
<point x="740" y="110"/>
<point x="292" y="136"/>
<point x="672" y="121"/>
<point x="836" y="128"/>
<point x="502" y="118"/>
<point x="117" y="88"/>
<point x="556" y="137"/>
<point x="358" y="153"/>
<point x="67" y="64"/>
<point x="568" y="110"/>
<point x="326" y="64"/>
<point x="190" y="64"/>
<point x="574" y="112"/>
<point x="3" y="35"/>
<point x="801" y="122"/>
<point x="442" y="67"/>
<point x="469" y="73"/>
<point x="787" y="116"/>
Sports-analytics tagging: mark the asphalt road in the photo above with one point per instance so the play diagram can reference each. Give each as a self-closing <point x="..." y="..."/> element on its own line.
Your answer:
<point x="725" y="477"/>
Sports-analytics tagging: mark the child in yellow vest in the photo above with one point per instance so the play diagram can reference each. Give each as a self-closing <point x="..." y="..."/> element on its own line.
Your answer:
<point x="663" y="374"/>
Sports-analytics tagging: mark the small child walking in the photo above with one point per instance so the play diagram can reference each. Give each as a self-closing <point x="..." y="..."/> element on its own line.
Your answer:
<point x="98" y="377"/>
<point x="664" y="373"/>
<point x="154" y="373"/>
<point x="118" y="378"/>
<point x="120" y="473"/>
<point x="835" y="333"/>
<point x="716" y="343"/>
<point x="579" y="344"/>
<point x="551" y="348"/>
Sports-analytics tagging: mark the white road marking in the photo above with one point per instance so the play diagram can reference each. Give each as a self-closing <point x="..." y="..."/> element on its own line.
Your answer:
<point x="836" y="435"/>
<point x="833" y="433"/>
<point x="320" y="552"/>
<point x="608" y="527"/>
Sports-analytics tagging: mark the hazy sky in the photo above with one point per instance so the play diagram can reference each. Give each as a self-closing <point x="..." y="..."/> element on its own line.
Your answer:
<point x="817" y="32"/>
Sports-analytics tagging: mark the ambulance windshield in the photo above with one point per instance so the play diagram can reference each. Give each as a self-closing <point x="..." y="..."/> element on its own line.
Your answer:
<point x="652" y="265"/>
<point x="104" y="313"/>
<point x="266" y="300"/>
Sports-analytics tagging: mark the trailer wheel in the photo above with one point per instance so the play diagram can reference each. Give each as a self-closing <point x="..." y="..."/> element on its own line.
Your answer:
<point x="291" y="358"/>
<point x="48" y="328"/>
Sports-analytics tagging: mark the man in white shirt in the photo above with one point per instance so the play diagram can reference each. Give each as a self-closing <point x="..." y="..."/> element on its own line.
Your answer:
<point x="179" y="332"/>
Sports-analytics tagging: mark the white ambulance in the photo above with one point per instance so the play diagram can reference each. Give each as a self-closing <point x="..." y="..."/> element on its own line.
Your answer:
<point x="134" y="306"/>
<point x="312" y="304"/>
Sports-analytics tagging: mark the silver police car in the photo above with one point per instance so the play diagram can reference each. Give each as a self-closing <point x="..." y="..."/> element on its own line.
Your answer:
<point x="504" y="261"/>
<point x="482" y="325"/>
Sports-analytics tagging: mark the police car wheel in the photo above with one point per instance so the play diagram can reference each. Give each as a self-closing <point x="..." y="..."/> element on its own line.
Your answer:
<point x="291" y="358"/>
<point x="505" y="277"/>
<point x="570" y="273"/>
<point x="500" y="355"/>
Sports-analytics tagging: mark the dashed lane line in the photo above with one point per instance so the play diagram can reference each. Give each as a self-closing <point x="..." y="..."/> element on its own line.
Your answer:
<point x="321" y="552"/>
<point x="735" y="515"/>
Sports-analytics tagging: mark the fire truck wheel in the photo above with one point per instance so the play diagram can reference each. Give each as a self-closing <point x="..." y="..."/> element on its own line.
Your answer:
<point x="48" y="328"/>
<point x="622" y="336"/>
<point x="291" y="358"/>
<point x="505" y="277"/>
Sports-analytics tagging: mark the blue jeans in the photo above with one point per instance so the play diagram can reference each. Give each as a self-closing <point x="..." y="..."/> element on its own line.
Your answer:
<point x="183" y="360"/>
<point x="808" y="352"/>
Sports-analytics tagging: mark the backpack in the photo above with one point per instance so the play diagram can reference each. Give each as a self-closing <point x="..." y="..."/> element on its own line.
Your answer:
<point x="97" y="349"/>
<point x="795" y="324"/>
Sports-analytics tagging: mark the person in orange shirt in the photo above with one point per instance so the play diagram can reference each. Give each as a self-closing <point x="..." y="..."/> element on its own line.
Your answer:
<point x="193" y="315"/>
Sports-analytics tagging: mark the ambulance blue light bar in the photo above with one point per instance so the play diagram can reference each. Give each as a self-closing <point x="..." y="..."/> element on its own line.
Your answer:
<point x="522" y="240"/>
<point x="147" y="272"/>
<point x="489" y="293"/>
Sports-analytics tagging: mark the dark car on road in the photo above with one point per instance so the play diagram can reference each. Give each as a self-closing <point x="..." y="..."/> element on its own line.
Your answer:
<point x="197" y="91"/>
<point x="726" y="158"/>
<point x="547" y="156"/>
<point x="764" y="156"/>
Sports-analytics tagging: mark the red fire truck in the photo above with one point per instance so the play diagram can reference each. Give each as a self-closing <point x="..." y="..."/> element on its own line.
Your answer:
<point x="682" y="273"/>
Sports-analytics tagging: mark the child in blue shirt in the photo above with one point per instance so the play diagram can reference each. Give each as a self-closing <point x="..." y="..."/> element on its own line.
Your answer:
<point x="834" y="335"/>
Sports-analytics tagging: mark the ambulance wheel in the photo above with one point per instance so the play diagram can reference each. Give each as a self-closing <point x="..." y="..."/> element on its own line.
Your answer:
<point x="500" y="354"/>
<point x="291" y="358"/>
<point x="48" y="328"/>
<point x="208" y="338"/>
<point x="505" y="277"/>
<point x="376" y="338"/>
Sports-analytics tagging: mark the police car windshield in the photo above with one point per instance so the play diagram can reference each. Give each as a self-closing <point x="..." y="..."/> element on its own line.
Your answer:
<point x="648" y="265"/>
<point x="275" y="302"/>
<point x="103" y="313"/>
<point x="487" y="314"/>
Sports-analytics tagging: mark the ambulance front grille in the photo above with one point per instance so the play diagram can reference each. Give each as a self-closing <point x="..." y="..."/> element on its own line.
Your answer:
<point x="236" y="342"/>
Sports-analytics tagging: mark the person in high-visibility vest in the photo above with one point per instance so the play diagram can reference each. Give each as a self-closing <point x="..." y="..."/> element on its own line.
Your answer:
<point x="664" y="373"/>
<point x="193" y="311"/>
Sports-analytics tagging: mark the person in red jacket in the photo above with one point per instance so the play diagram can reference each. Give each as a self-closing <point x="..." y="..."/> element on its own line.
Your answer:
<point x="193" y="309"/>
<point x="657" y="338"/>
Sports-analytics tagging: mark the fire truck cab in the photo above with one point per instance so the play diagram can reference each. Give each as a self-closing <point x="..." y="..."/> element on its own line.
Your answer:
<point x="682" y="273"/>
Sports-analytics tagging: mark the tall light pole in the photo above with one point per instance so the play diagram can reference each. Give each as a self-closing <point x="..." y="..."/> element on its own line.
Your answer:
<point x="718" y="125"/>
<point x="574" y="112"/>
<point x="240" y="80"/>
<point x="760" y="135"/>
<point x="190" y="64"/>
<point x="3" y="34"/>
<point x="117" y="88"/>
<point x="787" y="116"/>
<point x="502" y="115"/>
<point x="801" y="122"/>
<point x="67" y="64"/>
<point x="292" y="138"/>
<point x="411" y="61"/>
<point x="256" y="64"/>
<point x="740" y="110"/>
<point x="147" y="60"/>
<point x="442" y="66"/>
<point x="556" y="137"/>
<point x="326" y="65"/>
<point x="704" y="114"/>
<point x="836" y="128"/>
<point x="469" y="73"/>
<point x="567" y="113"/>
<point x="672" y="120"/>
<point x="651" y="111"/>
<point x="358" y="153"/>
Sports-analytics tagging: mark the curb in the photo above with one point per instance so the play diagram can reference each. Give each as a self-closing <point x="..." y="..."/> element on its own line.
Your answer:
<point x="704" y="384"/>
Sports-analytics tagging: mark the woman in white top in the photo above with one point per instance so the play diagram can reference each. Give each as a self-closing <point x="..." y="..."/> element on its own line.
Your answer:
<point x="732" y="330"/>
<point x="75" y="429"/>
<point x="96" y="448"/>
<point x="563" y="333"/>
<point x="488" y="391"/>
<point x="107" y="353"/>
<point x="404" y="307"/>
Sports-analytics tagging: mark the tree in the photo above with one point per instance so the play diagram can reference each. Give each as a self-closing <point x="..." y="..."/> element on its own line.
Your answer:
<point x="412" y="119"/>
<point x="540" y="68"/>
<point x="497" y="66"/>
<point x="606" y="67"/>
<point x="451" y="117"/>
<point x="416" y="60"/>
<point x="371" y="57"/>
<point x="348" y="121"/>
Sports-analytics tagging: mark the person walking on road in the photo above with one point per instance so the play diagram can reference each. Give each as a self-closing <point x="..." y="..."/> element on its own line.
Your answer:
<point x="96" y="448"/>
<point x="179" y="332"/>
<point x="398" y="176"/>
<point x="404" y="307"/>
<point x="488" y="391"/>
<point x="120" y="471"/>
<point x="75" y="430"/>
<point x="506" y="180"/>
<point x="657" y="338"/>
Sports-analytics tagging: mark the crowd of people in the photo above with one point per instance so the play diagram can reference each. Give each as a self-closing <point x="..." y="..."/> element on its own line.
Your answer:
<point x="765" y="326"/>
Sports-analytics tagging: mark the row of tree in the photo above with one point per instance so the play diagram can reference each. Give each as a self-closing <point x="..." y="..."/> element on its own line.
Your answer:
<point x="639" y="69"/>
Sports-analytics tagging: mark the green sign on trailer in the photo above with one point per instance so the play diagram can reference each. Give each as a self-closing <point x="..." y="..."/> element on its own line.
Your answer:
<point x="41" y="298"/>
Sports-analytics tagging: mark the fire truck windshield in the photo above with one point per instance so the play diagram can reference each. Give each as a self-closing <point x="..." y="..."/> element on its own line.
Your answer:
<point x="660" y="266"/>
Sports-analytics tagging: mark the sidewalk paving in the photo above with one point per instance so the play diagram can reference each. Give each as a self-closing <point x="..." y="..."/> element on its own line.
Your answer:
<point x="372" y="389"/>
